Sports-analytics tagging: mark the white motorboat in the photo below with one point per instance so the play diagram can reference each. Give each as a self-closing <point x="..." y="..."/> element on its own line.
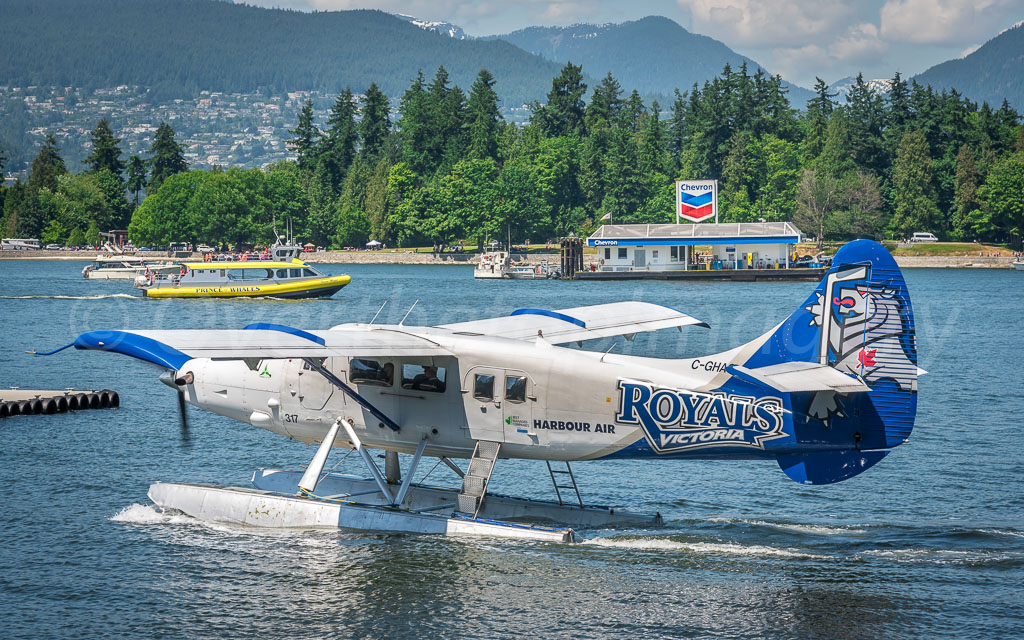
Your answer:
<point x="1019" y="265"/>
<point x="492" y="265"/>
<point x="126" y="268"/>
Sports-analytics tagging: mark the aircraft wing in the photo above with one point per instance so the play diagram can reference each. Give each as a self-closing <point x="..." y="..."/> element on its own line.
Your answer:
<point x="579" y="323"/>
<point x="172" y="348"/>
<point x="790" y="377"/>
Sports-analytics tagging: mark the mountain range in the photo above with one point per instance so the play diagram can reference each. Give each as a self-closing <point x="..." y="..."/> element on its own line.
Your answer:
<point x="180" y="47"/>
<point x="992" y="73"/>
<point x="653" y="55"/>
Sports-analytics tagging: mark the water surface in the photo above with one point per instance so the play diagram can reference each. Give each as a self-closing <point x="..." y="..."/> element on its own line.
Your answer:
<point x="929" y="543"/>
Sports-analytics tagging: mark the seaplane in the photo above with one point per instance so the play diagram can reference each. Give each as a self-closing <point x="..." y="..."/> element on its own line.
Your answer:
<point x="827" y="393"/>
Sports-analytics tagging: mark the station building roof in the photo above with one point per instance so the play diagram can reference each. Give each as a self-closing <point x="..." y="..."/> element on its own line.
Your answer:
<point x="640" y="235"/>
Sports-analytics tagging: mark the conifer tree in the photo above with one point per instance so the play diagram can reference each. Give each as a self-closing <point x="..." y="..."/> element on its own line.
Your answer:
<point x="564" y="112"/>
<point x="914" y="202"/>
<point x="375" y="124"/>
<point x="414" y="126"/>
<point x="605" y="105"/>
<point x="106" y="154"/>
<point x="136" y="176"/>
<point x="306" y="138"/>
<point x="338" y="147"/>
<point x="966" y="198"/>
<point x="632" y="111"/>
<point x="167" y="159"/>
<point x="819" y="111"/>
<point x="485" y="121"/>
<point x="47" y="166"/>
<point x="864" y="118"/>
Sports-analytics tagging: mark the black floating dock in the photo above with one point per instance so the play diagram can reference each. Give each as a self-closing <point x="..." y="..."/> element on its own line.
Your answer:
<point x="21" y="402"/>
<point x="732" y="275"/>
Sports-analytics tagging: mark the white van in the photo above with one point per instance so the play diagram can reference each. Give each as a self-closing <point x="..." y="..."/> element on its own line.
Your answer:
<point x="923" y="237"/>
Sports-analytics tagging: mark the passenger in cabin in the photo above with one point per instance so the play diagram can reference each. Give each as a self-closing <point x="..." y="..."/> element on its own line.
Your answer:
<point x="427" y="381"/>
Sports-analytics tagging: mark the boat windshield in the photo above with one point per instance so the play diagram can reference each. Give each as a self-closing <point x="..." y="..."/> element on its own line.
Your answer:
<point x="304" y="272"/>
<point x="250" y="274"/>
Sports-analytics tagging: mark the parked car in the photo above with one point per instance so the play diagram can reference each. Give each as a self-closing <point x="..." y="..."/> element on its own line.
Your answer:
<point x="53" y="247"/>
<point x="923" y="237"/>
<point x="205" y="248"/>
<point x="144" y="249"/>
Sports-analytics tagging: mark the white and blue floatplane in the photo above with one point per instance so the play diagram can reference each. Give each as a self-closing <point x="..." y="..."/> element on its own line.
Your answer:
<point x="827" y="393"/>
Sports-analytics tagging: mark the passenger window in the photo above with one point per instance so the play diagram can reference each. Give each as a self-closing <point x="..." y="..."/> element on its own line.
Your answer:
<point x="423" y="378"/>
<point x="296" y="273"/>
<point x="282" y="273"/>
<point x="371" y="372"/>
<point x="515" y="388"/>
<point x="309" y="273"/>
<point x="483" y="387"/>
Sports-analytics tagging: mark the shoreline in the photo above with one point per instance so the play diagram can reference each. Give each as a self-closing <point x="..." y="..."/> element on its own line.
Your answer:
<point x="469" y="259"/>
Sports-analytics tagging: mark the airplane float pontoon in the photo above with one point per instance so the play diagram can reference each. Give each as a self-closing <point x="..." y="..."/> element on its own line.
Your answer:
<point x="827" y="393"/>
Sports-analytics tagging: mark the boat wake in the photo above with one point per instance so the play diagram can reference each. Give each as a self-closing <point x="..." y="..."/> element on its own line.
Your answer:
<point x="698" y="548"/>
<point x="96" y="297"/>
<point x="148" y="514"/>
<point x="795" y="527"/>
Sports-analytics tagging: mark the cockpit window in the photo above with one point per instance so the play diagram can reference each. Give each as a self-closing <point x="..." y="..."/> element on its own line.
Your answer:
<point x="371" y="372"/>
<point x="423" y="378"/>
<point x="309" y="273"/>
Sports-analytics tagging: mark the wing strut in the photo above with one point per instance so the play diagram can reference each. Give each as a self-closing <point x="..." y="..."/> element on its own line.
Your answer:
<point x="360" y="400"/>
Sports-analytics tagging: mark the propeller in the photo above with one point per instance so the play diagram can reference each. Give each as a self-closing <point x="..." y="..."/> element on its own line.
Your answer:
<point x="182" y="411"/>
<point x="181" y="382"/>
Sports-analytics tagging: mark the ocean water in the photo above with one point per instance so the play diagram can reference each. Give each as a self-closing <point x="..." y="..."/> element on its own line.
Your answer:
<point x="929" y="543"/>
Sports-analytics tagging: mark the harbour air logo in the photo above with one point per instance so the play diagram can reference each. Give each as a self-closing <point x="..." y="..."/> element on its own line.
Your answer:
<point x="676" y="420"/>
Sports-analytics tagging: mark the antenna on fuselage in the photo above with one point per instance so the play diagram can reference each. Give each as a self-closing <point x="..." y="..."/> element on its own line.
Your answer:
<point x="378" y="311"/>
<point x="614" y="344"/>
<point x="408" y="312"/>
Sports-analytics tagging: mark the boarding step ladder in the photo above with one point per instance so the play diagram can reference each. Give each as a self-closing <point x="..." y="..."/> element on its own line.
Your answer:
<point x="562" y="473"/>
<point x="474" y="483"/>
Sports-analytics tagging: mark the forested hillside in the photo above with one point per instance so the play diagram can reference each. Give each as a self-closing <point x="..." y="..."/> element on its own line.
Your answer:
<point x="993" y="73"/>
<point x="179" y="47"/>
<point x="450" y="168"/>
<point x="653" y="55"/>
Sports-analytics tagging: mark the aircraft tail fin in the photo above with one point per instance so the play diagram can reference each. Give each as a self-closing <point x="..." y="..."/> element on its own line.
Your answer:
<point x="858" y="321"/>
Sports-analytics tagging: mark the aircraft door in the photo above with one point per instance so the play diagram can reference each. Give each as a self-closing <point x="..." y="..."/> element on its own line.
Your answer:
<point x="314" y="390"/>
<point x="484" y="398"/>
<point x="518" y="399"/>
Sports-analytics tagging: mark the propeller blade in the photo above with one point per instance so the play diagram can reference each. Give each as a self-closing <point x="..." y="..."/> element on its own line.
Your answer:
<point x="182" y="411"/>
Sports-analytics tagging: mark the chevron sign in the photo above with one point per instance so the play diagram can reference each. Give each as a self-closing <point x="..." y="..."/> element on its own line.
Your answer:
<point x="697" y="200"/>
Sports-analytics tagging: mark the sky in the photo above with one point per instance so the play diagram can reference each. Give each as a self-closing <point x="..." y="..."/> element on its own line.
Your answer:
<point x="799" y="39"/>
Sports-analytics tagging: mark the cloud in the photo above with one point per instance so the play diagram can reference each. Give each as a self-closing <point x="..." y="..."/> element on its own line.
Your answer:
<point x="759" y="23"/>
<point x="969" y="50"/>
<point x="944" y="22"/>
<point x="861" y="43"/>
<point x="558" y="12"/>
<point x="806" y="61"/>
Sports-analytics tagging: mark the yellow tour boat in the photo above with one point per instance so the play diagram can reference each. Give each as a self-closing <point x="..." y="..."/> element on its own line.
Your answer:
<point x="242" y="279"/>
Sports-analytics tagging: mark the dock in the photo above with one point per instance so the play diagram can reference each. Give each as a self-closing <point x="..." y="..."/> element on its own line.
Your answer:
<point x="732" y="275"/>
<point x="26" y="402"/>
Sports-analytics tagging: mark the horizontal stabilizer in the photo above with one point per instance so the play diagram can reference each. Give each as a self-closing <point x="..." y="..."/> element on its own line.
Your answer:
<point x="791" y="377"/>
<point x="826" y="467"/>
<point x="579" y="323"/>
